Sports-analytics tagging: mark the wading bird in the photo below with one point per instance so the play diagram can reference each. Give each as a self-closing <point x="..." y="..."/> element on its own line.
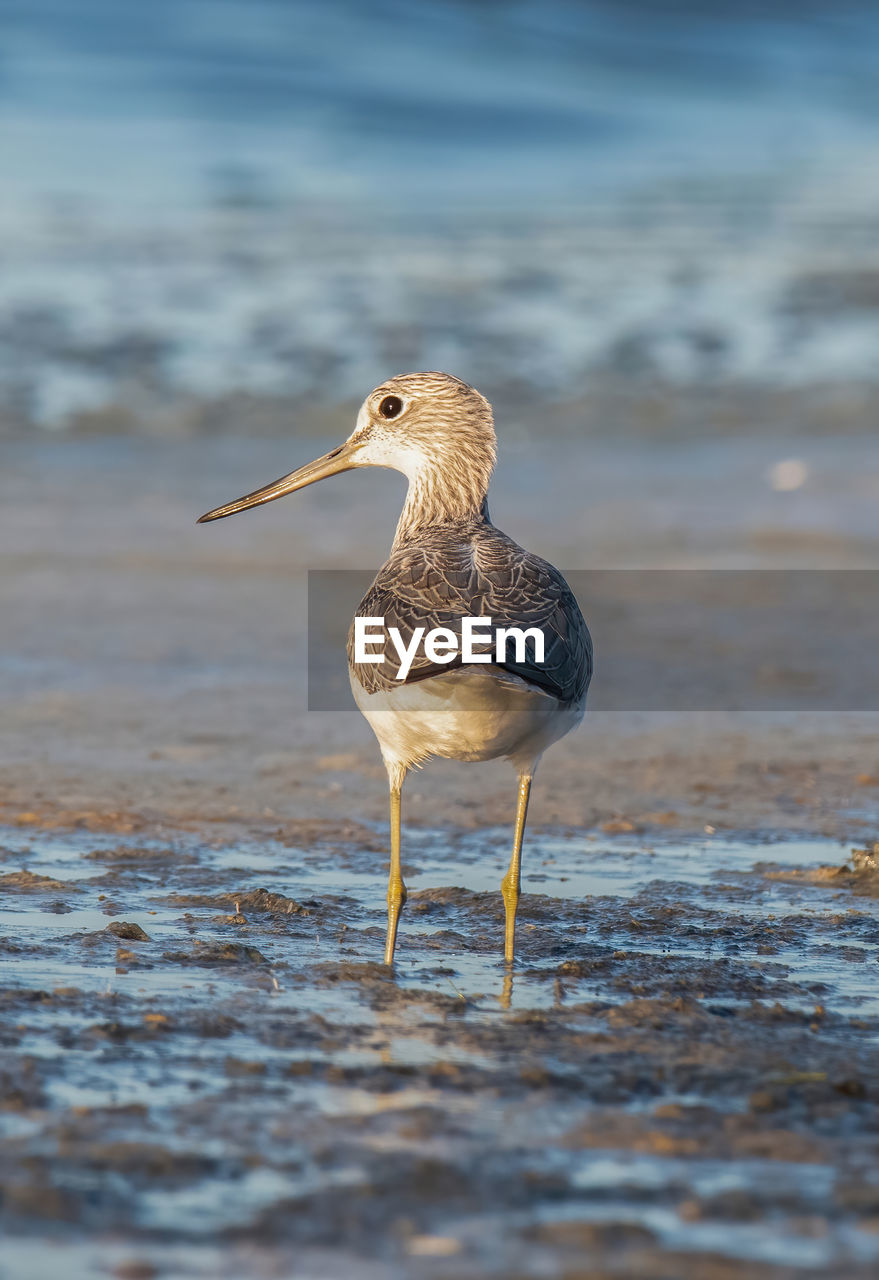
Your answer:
<point x="448" y="564"/>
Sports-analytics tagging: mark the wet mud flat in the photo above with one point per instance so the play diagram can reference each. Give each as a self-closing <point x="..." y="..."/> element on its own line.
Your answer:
<point x="204" y="1070"/>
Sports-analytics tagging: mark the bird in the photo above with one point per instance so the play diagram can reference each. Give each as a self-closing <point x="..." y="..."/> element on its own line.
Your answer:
<point x="449" y="564"/>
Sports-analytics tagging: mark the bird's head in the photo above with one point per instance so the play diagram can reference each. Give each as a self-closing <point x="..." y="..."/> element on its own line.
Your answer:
<point x="434" y="428"/>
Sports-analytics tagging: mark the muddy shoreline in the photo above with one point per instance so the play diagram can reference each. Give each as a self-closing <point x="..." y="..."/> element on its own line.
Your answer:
<point x="205" y="1070"/>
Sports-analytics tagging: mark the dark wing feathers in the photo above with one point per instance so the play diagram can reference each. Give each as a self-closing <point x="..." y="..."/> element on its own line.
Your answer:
<point x="449" y="575"/>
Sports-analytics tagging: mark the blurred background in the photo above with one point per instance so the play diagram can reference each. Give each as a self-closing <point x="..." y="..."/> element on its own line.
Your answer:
<point x="648" y="232"/>
<point x="214" y="208"/>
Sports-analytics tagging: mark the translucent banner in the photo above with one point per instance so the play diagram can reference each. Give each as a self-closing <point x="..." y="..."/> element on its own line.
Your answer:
<point x="678" y="640"/>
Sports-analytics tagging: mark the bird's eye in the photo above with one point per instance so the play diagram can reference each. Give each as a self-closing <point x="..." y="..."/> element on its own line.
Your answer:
<point x="390" y="406"/>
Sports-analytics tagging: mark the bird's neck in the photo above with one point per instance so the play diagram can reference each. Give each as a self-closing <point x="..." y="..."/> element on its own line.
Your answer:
<point x="437" y="499"/>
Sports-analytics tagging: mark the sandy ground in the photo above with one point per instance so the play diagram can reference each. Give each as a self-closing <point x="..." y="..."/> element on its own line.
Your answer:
<point x="200" y="1078"/>
<point x="153" y="671"/>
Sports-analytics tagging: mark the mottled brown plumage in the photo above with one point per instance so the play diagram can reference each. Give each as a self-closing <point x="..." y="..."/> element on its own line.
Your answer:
<point x="452" y="571"/>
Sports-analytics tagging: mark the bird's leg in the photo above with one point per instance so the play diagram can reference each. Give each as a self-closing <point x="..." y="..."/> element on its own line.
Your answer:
<point x="396" y="888"/>
<point x="511" y="881"/>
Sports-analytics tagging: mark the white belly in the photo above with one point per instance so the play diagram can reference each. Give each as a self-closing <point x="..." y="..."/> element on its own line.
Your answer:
<point x="466" y="714"/>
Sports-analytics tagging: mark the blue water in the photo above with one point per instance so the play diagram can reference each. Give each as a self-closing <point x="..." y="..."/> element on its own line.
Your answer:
<point x="406" y="105"/>
<point x="295" y="198"/>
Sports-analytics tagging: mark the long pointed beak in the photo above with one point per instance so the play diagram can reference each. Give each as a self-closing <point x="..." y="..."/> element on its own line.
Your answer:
<point x="341" y="459"/>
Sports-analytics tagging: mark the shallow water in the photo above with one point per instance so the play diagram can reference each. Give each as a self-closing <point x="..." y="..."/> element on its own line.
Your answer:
<point x="164" y="885"/>
<point x="681" y="1065"/>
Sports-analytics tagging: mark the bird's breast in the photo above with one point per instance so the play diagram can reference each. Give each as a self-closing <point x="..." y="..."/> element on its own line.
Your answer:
<point x="468" y="713"/>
